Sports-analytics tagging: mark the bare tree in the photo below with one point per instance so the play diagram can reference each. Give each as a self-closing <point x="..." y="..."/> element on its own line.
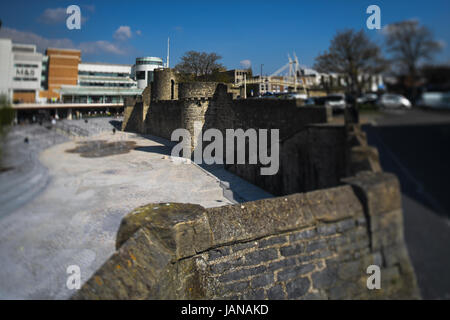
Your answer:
<point x="409" y="44"/>
<point x="353" y="55"/>
<point x="199" y="64"/>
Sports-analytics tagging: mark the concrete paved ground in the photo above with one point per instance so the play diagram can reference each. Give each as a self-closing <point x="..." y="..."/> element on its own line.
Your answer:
<point x="415" y="145"/>
<point x="74" y="220"/>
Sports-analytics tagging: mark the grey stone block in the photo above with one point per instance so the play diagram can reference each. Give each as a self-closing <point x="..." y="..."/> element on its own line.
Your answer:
<point x="245" y="245"/>
<point x="236" y="287"/>
<point x="292" y="250"/>
<point x="227" y="265"/>
<point x="297" y="288"/>
<point x="276" y="293"/>
<point x="327" y="229"/>
<point x="259" y="256"/>
<point x="314" y="256"/>
<point x="316" y="245"/>
<point x="315" y="296"/>
<point x="257" y="294"/>
<point x="294" y="272"/>
<point x="241" y="274"/>
<point x="325" y="278"/>
<point x="287" y="262"/>
<point x="262" y="280"/>
<point x="272" y="241"/>
<point x="301" y="235"/>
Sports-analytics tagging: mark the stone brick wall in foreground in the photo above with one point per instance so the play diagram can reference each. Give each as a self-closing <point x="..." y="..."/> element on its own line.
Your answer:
<point x="314" y="245"/>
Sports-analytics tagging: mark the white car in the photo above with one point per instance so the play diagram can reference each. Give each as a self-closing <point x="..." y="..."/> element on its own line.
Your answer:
<point x="390" y="100"/>
<point x="440" y="100"/>
<point x="335" y="101"/>
<point x="302" y="96"/>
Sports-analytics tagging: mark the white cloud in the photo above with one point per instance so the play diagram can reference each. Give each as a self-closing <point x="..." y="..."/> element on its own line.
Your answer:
<point x="59" y="15"/>
<point x="246" y="63"/>
<point x="32" y="38"/>
<point x="101" y="46"/>
<point x="93" y="47"/>
<point x="53" y="15"/>
<point x="123" y="33"/>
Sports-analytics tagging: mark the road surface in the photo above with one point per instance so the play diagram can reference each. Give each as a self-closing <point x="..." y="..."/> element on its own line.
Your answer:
<point x="415" y="145"/>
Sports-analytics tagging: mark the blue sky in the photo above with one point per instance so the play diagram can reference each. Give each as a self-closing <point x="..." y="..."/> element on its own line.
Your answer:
<point x="258" y="31"/>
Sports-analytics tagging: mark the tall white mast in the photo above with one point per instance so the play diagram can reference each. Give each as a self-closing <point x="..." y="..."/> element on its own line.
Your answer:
<point x="168" y="52"/>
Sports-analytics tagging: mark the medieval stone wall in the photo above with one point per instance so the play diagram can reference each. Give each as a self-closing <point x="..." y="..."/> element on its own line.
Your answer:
<point x="133" y="115"/>
<point x="165" y="85"/>
<point x="314" y="245"/>
<point x="305" y="135"/>
<point x="308" y="245"/>
<point x="199" y="90"/>
<point x="163" y="118"/>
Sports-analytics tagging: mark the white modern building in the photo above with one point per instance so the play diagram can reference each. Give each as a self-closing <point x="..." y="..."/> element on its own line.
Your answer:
<point x="20" y="71"/>
<point x="144" y="70"/>
<point x="5" y="67"/>
<point x="101" y="83"/>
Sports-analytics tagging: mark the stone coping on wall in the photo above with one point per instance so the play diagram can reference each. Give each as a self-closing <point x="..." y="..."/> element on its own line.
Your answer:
<point x="190" y="229"/>
<point x="155" y="240"/>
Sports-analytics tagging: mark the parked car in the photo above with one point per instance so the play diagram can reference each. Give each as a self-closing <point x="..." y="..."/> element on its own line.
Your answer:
<point x="294" y="96"/>
<point x="268" y="95"/>
<point x="336" y="101"/>
<point x="439" y="100"/>
<point x="390" y="100"/>
<point x="310" y="102"/>
<point x="315" y="101"/>
<point x="368" y="98"/>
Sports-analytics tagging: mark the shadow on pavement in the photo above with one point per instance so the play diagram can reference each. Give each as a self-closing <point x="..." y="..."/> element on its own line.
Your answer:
<point x="235" y="188"/>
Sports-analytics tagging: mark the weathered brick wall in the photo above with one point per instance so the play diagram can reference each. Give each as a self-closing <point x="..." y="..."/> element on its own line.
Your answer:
<point x="313" y="153"/>
<point x="305" y="136"/>
<point x="165" y="81"/>
<point x="128" y="106"/>
<point x="133" y="115"/>
<point x="163" y="117"/>
<point x="285" y="115"/>
<point x="189" y="90"/>
<point x="193" y="117"/>
<point x="315" y="245"/>
<point x="313" y="158"/>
